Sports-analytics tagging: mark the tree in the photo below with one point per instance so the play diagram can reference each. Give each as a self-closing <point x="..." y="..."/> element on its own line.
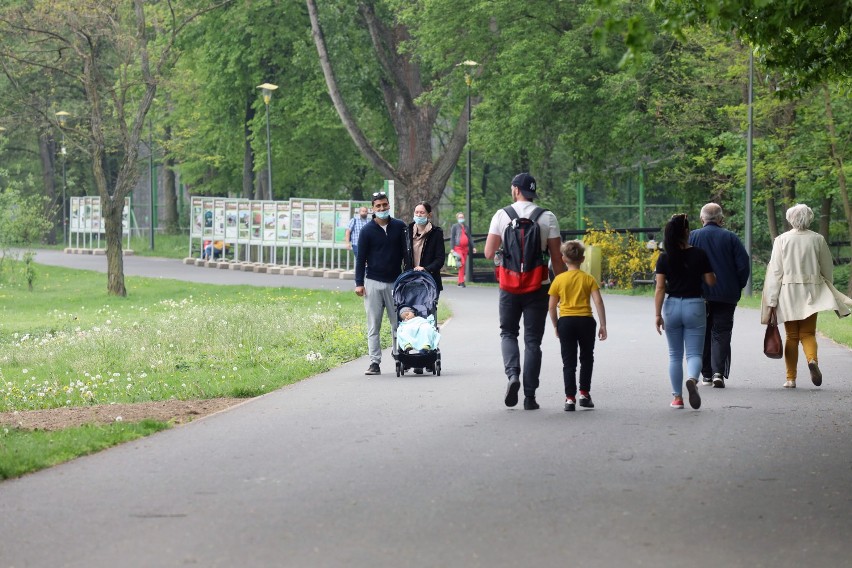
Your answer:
<point x="117" y="57"/>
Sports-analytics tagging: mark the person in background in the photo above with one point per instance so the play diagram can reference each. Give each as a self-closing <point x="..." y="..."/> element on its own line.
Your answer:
<point x="382" y="247"/>
<point x="731" y="265"/>
<point x="798" y="284"/>
<point x="353" y="230"/>
<point x="427" y="248"/>
<point x="572" y="292"/>
<point x="213" y="250"/>
<point x="461" y="242"/>
<point x="681" y="269"/>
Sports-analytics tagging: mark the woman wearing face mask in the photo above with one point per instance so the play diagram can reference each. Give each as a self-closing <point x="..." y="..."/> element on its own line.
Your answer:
<point x="462" y="243"/>
<point x="427" y="243"/>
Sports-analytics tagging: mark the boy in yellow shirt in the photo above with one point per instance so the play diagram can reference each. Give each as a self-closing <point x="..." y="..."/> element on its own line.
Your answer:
<point x="572" y="292"/>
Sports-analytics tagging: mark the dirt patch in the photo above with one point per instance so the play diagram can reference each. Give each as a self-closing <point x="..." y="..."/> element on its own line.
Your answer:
<point x="174" y="411"/>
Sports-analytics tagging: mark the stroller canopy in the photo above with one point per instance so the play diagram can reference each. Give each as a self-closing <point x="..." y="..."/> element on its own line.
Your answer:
<point x="417" y="290"/>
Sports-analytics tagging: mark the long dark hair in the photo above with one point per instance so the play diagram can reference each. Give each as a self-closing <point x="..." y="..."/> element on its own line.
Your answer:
<point x="676" y="235"/>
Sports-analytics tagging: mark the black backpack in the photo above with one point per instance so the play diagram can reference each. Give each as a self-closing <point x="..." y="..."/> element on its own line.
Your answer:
<point x="523" y="264"/>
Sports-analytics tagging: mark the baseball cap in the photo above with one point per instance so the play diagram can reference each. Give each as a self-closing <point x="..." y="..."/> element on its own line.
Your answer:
<point x="526" y="183"/>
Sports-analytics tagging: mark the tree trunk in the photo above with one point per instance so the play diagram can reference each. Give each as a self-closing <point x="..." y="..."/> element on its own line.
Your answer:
<point x="824" y="216"/>
<point x="837" y="157"/>
<point x="418" y="174"/>
<point x="111" y="210"/>
<point x="170" y="195"/>
<point x="53" y="206"/>
<point x="248" y="155"/>
<point x="771" y="218"/>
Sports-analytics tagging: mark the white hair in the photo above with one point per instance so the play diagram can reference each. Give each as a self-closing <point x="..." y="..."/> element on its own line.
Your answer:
<point x="712" y="213"/>
<point x="800" y="216"/>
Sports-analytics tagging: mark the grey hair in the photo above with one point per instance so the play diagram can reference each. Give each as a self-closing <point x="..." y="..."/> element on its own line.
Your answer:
<point x="800" y="216"/>
<point x="712" y="213"/>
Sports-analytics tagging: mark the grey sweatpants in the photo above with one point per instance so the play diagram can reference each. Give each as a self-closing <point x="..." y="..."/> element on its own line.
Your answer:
<point x="378" y="297"/>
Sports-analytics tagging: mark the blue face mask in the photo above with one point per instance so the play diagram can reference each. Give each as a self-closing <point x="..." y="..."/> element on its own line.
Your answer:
<point x="382" y="214"/>
<point x="421" y="220"/>
<point x="461" y="220"/>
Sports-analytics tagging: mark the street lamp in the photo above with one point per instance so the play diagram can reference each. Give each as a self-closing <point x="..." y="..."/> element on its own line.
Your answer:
<point x="468" y="65"/>
<point x="267" y="89"/>
<point x="62" y="116"/>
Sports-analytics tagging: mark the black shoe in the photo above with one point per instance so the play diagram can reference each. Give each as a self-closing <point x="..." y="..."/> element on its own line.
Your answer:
<point x="462" y="284"/>
<point x="585" y="400"/>
<point x="530" y="403"/>
<point x="373" y="369"/>
<point x="570" y="404"/>
<point x="418" y="370"/>
<point x="512" y="391"/>
<point x="694" y="397"/>
<point x="718" y="381"/>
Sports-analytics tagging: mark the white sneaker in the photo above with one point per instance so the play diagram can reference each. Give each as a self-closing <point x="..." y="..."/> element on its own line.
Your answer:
<point x="790" y="385"/>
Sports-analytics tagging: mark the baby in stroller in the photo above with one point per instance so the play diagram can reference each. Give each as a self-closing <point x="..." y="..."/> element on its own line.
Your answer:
<point x="416" y="333"/>
<point x="415" y="298"/>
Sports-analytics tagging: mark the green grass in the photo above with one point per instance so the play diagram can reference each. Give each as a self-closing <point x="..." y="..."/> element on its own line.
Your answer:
<point x="23" y="451"/>
<point x="166" y="246"/>
<point x="67" y="343"/>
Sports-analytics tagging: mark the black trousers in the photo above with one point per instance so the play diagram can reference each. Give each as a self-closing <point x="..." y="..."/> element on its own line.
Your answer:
<point x="717" y="339"/>
<point x="533" y="308"/>
<point x="574" y="332"/>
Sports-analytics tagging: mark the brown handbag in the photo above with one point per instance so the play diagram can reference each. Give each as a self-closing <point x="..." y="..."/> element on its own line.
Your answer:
<point x="772" y="346"/>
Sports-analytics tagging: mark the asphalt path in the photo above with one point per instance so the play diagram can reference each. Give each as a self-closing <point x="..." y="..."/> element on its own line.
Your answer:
<point x="343" y="469"/>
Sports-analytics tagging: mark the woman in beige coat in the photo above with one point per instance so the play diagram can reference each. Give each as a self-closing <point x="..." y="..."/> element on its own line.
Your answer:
<point x="798" y="285"/>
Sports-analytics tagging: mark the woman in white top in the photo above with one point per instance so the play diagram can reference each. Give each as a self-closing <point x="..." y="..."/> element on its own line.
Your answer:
<point x="798" y="285"/>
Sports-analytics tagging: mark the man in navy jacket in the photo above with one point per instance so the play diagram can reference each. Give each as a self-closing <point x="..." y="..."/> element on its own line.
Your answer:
<point x="732" y="266"/>
<point x="382" y="247"/>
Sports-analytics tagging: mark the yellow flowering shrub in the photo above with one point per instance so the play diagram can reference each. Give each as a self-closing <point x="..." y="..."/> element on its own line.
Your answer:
<point x="622" y="256"/>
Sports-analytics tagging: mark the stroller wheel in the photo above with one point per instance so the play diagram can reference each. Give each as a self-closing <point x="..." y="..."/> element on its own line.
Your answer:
<point x="438" y="368"/>
<point x="398" y="368"/>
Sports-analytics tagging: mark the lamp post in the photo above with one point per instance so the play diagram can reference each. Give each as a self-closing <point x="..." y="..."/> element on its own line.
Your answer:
<point x="62" y="116"/>
<point x="468" y="64"/>
<point x="267" y="89"/>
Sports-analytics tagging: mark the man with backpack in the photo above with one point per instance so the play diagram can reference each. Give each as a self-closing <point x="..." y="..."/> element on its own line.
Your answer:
<point x="522" y="236"/>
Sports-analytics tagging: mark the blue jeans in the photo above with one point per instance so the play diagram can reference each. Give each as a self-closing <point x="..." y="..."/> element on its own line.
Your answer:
<point x="685" y="320"/>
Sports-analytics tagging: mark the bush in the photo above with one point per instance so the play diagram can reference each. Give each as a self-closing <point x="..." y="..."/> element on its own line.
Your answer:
<point x="622" y="256"/>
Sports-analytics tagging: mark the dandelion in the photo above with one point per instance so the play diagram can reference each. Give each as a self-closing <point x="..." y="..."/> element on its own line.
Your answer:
<point x="118" y="418"/>
<point x="24" y="371"/>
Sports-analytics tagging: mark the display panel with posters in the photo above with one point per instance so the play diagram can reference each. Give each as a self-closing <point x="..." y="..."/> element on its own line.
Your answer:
<point x="231" y="220"/>
<point x="326" y="223"/>
<point x="125" y="219"/>
<point x="86" y="217"/>
<point x="197" y="212"/>
<point x="310" y="233"/>
<point x="296" y="229"/>
<point x="219" y="219"/>
<point x="269" y="225"/>
<point x="256" y="235"/>
<point x="244" y="220"/>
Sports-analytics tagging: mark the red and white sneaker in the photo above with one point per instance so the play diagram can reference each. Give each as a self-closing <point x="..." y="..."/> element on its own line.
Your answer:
<point x="677" y="403"/>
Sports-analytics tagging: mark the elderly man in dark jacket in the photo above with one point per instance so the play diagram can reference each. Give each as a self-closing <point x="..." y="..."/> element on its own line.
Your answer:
<point x="732" y="266"/>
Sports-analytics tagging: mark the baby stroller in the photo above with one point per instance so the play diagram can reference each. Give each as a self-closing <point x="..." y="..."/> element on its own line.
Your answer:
<point x="416" y="289"/>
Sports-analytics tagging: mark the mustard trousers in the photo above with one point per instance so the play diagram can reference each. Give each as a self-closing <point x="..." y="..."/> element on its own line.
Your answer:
<point x="804" y="332"/>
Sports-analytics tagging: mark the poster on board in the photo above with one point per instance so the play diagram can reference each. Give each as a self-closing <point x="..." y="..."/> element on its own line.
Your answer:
<point x="296" y="221"/>
<point x="269" y="222"/>
<point x="219" y="219"/>
<point x="75" y="214"/>
<point x="207" y="206"/>
<point x="244" y="214"/>
<point x="282" y="224"/>
<point x="256" y="237"/>
<point x="96" y="215"/>
<point x="342" y="215"/>
<point x="125" y="218"/>
<point x="231" y="232"/>
<point x="197" y="212"/>
<point x="326" y="222"/>
<point x="310" y="234"/>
